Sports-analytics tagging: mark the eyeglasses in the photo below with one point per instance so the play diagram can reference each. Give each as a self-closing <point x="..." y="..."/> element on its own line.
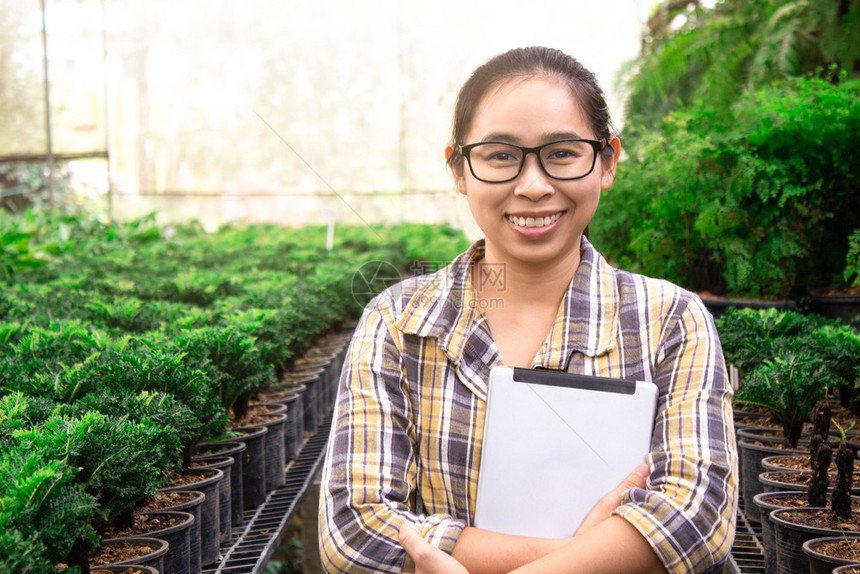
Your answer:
<point x="497" y="162"/>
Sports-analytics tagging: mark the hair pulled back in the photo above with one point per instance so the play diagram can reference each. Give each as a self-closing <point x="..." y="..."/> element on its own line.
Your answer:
<point x="525" y="62"/>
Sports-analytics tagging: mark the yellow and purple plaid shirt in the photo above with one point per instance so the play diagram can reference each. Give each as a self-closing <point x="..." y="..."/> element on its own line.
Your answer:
<point x="408" y="425"/>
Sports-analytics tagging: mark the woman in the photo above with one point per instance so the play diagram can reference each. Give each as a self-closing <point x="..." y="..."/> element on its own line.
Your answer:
<point x="532" y="150"/>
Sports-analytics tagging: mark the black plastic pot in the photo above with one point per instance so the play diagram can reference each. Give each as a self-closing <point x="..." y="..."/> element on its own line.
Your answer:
<point x="765" y="503"/>
<point x="224" y="464"/>
<point x="718" y="306"/>
<point x="295" y="414"/>
<point x="210" y="513"/>
<point x="751" y="467"/>
<point x="178" y="538"/>
<point x="311" y="399"/>
<point x="192" y="507"/>
<point x="790" y="558"/>
<point x="822" y="563"/>
<point x="273" y="446"/>
<point x="235" y="449"/>
<point x="253" y="467"/>
<point x="152" y="559"/>
<point x="290" y="401"/>
<point x="844" y="307"/>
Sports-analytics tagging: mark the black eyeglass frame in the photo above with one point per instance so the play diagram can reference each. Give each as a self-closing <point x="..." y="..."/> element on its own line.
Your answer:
<point x="597" y="145"/>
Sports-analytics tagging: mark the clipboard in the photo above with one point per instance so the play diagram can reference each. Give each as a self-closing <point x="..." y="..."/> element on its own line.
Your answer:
<point x="554" y="444"/>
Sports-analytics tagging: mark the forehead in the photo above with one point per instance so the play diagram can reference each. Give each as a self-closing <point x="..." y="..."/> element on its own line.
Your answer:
<point x="527" y="109"/>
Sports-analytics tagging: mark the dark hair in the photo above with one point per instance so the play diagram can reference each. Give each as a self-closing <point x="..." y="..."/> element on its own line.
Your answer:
<point x="525" y="62"/>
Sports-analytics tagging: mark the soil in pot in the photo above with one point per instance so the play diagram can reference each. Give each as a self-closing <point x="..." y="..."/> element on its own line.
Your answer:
<point x="827" y="553"/>
<point x="190" y="501"/>
<point x="796" y="463"/>
<point x="768" y="501"/>
<point x="847" y="569"/>
<point x="235" y="450"/>
<point x="185" y="501"/>
<point x="131" y="551"/>
<point x="794" y="526"/>
<point x="208" y="482"/>
<point x="172" y="526"/>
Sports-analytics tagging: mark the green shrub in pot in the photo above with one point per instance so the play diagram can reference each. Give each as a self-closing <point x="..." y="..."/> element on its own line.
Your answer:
<point x="751" y="336"/>
<point x="768" y="198"/>
<point x="839" y="345"/>
<point x="44" y="511"/>
<point x="788" y="386"/>
<point x="231" y="359"/>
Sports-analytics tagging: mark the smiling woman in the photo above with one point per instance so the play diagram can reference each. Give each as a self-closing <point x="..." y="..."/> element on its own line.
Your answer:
<point x="532" y="150"/>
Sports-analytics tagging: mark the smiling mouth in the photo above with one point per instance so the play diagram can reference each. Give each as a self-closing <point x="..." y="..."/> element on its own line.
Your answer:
<point x="534" y="221"/>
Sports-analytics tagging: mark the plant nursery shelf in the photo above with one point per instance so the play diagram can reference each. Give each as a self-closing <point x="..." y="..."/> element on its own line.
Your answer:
<point x="252" y="545"/>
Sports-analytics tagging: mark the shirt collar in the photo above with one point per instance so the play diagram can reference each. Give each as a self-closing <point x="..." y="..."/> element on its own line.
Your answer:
<point x="445" y="307"/>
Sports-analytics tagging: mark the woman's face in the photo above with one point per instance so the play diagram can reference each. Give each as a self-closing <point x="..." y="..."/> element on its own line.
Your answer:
<point x="530" y="112"/>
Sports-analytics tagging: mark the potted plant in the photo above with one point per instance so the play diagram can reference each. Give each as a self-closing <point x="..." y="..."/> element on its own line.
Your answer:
<point x="793" y="527"/>
<point x="788" y="386"/>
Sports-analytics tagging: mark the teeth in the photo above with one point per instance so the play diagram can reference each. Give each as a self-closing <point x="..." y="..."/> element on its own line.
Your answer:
<point x="534" y="221"/>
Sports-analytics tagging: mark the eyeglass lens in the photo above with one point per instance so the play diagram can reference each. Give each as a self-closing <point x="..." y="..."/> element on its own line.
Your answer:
<point x="501" y="162"/>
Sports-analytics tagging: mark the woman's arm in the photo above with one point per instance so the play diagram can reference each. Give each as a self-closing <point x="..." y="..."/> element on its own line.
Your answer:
<point x="484" y="551"/>
<point x="687" y="513"/>
<point x="370" y="474"/>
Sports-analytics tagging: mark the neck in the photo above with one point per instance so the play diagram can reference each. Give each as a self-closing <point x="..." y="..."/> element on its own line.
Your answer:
<point x="526" y="282"/>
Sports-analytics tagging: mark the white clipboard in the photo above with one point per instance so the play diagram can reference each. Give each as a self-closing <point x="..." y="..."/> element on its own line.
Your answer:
<point x="554" y="444"/>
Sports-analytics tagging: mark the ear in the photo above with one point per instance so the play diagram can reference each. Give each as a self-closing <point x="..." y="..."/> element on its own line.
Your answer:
<point x="457" y="168"/>
<point x="609" y="164"/>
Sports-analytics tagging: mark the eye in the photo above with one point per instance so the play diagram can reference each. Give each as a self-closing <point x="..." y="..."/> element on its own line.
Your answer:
<point x="566" y="151"/>
<point x="496" y="154"/>
<point x="502" y="156"/>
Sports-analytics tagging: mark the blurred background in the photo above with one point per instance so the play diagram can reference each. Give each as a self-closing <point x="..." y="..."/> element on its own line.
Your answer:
<point x="293" y="112"/>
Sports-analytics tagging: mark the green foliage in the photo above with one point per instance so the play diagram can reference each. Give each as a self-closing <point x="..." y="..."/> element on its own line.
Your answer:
<point x="788" y="386"/>
<point x="754" y="201"/>
<point x="20" y="247"/>
<point x="740" y="45"/>
<point x="44" y="509"/>
<point x="120" y="461"/>
<point x="839" y="346"/>
<point x="851" y="274"/>
<point x="231" y="360"/>
<point x="131" y="342"/>
<point x="751" y="336"/>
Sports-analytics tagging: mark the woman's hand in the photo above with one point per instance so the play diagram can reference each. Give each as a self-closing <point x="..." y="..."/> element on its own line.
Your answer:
<point x="428" y="559"/>
<point x="603" y="509"/>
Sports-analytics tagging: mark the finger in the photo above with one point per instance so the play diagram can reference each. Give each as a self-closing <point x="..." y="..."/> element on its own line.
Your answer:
<point x="412" y="541"/>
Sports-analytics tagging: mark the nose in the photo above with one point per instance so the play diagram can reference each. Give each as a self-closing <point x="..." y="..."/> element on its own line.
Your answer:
<point x="533" y="182"/>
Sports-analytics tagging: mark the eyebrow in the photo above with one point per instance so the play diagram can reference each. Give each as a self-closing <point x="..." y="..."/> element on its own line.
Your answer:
<point x="544" y="138"/>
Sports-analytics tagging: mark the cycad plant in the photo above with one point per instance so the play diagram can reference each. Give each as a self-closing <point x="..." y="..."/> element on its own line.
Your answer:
<point x="788" y="386"/>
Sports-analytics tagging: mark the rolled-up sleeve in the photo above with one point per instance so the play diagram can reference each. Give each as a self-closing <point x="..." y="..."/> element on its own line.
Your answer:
<point x="687" y="512"/>
<point x="368" y="488"/>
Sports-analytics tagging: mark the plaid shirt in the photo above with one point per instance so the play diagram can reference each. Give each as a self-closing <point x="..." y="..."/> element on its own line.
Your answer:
<point x="407" y="433"/>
